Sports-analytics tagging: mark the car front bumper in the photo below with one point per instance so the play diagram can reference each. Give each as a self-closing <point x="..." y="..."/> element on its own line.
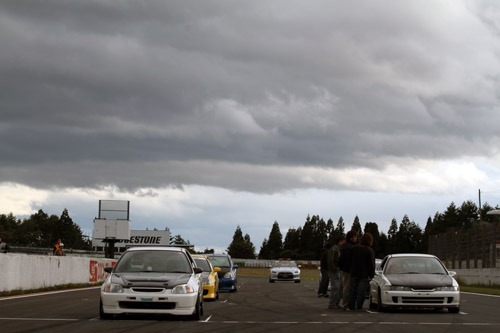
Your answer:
<point x="227" y="284"/>
<point x="421" y="299"/>
<point x="209" y="291"/>
<point x="284" y="276"/>
<point x="151" y="303"/>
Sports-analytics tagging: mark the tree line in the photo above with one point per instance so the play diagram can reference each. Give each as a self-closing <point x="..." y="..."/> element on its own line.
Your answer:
<point x="308" y="241"/>
<point x="42" y="230"/>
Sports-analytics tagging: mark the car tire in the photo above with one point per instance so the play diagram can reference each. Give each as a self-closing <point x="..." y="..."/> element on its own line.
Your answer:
<point x="102" y="314"/>
<point x="198" y="311"/>
<point x="271" y="281"/>
<point x="217" y="293"/>
<point x="297" y="281"/>
<point x="380" y="305"/>
<point x="454" y="310"/>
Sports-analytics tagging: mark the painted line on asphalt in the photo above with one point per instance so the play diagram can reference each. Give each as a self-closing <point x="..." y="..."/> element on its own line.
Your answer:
<point x="40" y="319"/>
<point x="462" y="292"/>
<point x="46" y="293"/>
<point x="347" y="322"/>
<point x="206" y="320"/>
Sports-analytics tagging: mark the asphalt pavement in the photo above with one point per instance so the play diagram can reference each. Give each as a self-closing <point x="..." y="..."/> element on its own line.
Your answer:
<point x="257" y="306"/>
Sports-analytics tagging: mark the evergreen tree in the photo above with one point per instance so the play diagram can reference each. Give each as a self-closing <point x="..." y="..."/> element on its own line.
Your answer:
<point x="357" y="227"/>
<point x="241" y="247"/>
<point x="307" y="248"/>
<point x="391" y="236"/>
<point x="467" y="214"/>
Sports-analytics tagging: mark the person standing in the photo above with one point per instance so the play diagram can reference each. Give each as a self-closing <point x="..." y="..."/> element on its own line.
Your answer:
<point x="362" y="271"/>
<point x="345" y="264"/>
<point x="58" y="248"/>
<point x="4" y="247"/>
<point x="334" y="273"/>
<point x="323" y="282"/>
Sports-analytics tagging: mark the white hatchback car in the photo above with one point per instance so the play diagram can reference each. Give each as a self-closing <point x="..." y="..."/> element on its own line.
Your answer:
<point x="414" y="281"/>
<point x="153" y="280"/>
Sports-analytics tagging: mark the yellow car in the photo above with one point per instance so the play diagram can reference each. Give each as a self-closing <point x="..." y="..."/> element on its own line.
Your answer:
<point x="209" y="276"/>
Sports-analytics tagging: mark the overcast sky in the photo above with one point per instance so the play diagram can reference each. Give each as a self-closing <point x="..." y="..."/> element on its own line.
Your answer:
<point x="211" y="114"/>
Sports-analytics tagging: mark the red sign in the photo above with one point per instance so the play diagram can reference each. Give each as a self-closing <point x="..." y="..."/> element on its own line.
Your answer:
<point x="96" y="270"/>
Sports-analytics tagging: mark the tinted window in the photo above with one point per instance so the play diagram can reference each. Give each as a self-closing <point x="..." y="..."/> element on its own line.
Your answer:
<point x="414" y="265"/>
<point x="153" y="261"/>
<point x="220" y="261"/>
<point x="203" y="264"/>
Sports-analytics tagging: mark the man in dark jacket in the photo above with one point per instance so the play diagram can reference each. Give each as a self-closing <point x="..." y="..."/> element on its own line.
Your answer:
<point x="345" y="263"/>
<point x="362" y="271"/>
<point x="323" y="283"/>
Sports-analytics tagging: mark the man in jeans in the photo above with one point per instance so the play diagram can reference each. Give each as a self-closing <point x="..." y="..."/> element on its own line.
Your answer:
<point x="345" y="263"/>
<point x="323" y="283"/>
<point x="334" y="273"/>
<point x="362" y="271"/>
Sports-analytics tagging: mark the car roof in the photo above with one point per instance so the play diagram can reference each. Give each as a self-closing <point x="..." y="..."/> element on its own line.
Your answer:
<point x="399" y="255"/>
<point x="218" y="255"/>
<point x="155" y="248"/>
<point x="200" y="256"/>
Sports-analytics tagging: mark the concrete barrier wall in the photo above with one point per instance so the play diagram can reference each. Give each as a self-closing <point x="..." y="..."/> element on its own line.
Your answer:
<point x="25" y="272"/>
<point x="486" y="276"/>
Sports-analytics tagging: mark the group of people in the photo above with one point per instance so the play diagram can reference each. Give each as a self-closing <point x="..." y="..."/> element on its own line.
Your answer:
<point x="348" y="266"/>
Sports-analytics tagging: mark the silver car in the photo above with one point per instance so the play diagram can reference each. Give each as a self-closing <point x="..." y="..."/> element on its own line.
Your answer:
<point x="284" y="270"/>
<point x="414" y="281"/>
<point x="153" y="280"/>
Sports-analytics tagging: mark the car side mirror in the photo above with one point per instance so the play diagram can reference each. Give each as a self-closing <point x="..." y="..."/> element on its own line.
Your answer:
<point x="378" y="272"/>
<point x="452" y="273"/>
<point x="235" y="266"/>
<point x="197" y="270"/>
<point x="108" y="269"/>
<point x="216" y="269"/>
<point x="299" y="266"/>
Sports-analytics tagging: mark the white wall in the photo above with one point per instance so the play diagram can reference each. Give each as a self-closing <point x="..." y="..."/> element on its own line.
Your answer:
<point x="22" y="271"/>
<point x="486" y="276"/>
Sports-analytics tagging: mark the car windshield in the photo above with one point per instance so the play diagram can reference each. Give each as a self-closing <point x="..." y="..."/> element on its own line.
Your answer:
<point x="220" y="261"/>
<point x="153" y="261"/>
<point x="414" y="265"/>
<point x="285" y="264"/>
<point x="203" y="264"/>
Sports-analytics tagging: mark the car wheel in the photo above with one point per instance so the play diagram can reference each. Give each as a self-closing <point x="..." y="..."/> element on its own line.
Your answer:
<point x="102" y="314"/>
<point x="217" y="293"/>
<point x="454" y="310"/>
<point x="197" y="311"/>
<point x="297" y="281"/>
<point x="380" y="306"/>
<point x="271" y="281"/>
<point x="372" y="305"/>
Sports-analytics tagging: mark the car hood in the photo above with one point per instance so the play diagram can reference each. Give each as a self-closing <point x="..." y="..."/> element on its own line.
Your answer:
<point x="165" y="280"/>
<point x="223" y="271"/>
<point x="420" y="280"/>
<point x="284" y="269"/>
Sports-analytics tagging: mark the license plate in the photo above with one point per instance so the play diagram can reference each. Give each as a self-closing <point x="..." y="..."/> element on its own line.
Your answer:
<point x="146" y="299"/>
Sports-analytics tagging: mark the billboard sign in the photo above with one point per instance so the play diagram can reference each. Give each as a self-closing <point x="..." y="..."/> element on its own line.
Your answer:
<point x="140" y="237"/>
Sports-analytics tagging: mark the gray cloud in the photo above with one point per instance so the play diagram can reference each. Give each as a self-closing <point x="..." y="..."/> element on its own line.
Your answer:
<point x="150" y="94"/>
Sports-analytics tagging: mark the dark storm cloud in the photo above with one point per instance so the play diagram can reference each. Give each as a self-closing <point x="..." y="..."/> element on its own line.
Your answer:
<point x="154" y="93"/>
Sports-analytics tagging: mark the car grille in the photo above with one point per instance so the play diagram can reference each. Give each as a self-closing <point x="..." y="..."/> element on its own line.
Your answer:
<point x="422" y="300"/>
<point x="285" y="275"/>
<point x="147" y="290"/>
<point x="147" y="305"/>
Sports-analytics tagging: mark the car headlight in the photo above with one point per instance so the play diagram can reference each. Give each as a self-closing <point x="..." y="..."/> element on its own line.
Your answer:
<point x="296" y="272"/>
<point x="447" y="288"/>
<point x="113" y="288"/>
<point x="183" y="289"/>
<point x="400" y="288"/>
<point x="228" y="275"/>
<point x="274" y="272"/>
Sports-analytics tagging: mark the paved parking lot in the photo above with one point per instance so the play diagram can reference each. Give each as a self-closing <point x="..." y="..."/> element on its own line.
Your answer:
<point x="257" y="306"/>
